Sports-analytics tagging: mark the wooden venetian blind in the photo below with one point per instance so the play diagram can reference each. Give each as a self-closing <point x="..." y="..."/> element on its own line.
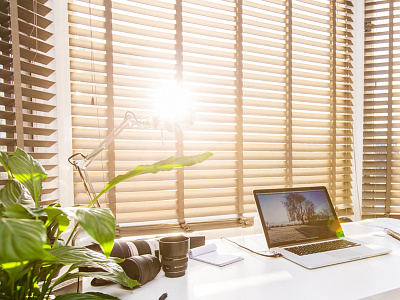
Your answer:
<point x="381" y="172"/>
<point x="27" y="105"/>
<point x="272" y="94"/>
<point x="297" y="96"/>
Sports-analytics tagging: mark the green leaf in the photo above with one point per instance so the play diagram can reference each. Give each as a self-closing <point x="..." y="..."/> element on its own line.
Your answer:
<point x="163" y="165"/>
<point x="83" y="257"/>
<point x="19" y="211"/>
<point x="15" y="193"/>
<point x="116" y="276"/>
<point x="99" y="223"/>
<point x="28" y="171"/>
<point x="11" y="266"/>
<point x="80" y="255"/>
<point x="4" y="162"/>
<point x="85" y="296"/>
<point x="22" y="240"/>
<point x="59" y="215"/>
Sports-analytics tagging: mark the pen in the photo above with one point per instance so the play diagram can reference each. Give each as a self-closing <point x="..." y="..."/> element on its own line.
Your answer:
<point x="393" y="233"/>
<point x="163" y="296"/>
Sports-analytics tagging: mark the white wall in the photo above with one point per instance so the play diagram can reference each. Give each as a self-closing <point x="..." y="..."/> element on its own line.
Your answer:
<point x="64" y="125"/>
<point x="358" y="79"/>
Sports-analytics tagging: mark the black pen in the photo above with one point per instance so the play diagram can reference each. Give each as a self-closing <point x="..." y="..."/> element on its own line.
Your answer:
<point x="163" y="296"/>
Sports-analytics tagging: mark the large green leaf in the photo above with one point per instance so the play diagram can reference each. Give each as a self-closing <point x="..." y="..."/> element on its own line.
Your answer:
<point x="99" y="223"/>
<point x="19" y="211"/>
<point x="116" y="276"/>
<point x="83" y="257"/>
<point x="163" y="165"/>
<point x="28" y="171"/>
<point x="4" y="162"/>
<point x="86" y="296"/>
<point x="22" y="240"/>
<point x="15" y="193"/>
<point x="107" y="276"/>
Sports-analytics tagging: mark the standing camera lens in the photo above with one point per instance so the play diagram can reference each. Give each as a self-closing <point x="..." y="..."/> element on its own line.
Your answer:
<point x="174" y="250"/>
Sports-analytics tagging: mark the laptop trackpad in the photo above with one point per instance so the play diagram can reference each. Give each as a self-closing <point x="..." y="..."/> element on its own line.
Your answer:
<point x="344" y="254"/>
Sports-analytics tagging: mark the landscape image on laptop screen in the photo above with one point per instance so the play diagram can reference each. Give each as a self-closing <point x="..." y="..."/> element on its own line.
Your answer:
<point x="297" y="216"/>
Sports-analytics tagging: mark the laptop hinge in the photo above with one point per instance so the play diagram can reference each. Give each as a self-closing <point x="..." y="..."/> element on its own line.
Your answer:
<point x="309" y="242"/>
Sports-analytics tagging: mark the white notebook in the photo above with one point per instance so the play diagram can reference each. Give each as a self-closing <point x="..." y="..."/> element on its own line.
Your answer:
<point x="209" y="254"/>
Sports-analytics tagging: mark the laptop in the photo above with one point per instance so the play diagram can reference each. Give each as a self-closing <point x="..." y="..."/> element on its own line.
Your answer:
<point x="301" y="224"/>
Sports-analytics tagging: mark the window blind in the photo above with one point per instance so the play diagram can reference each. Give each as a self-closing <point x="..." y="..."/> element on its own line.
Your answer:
<point x="27" y="104"/>
<point x="381" y="117"/>
<point x="297" y="96"/>
<point x="272" y="93"/>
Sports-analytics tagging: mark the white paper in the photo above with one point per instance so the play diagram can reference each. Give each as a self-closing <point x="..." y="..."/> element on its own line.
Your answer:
<point x="385" y="223"/>
<point x="209" y="254"/>
<point x="202" y="250"/>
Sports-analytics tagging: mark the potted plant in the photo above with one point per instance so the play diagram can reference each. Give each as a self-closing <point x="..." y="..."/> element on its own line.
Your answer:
<point x="31" y="252"/>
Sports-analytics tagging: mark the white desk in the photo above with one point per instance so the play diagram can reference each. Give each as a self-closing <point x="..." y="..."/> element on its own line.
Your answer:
<point x="260" y="278"/>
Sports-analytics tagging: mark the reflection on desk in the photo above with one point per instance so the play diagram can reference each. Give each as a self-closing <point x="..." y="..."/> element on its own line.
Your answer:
<point x="260" y="278"/>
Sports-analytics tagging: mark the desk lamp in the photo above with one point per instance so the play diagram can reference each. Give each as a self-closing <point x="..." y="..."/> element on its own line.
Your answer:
<point x="172" y="113"/>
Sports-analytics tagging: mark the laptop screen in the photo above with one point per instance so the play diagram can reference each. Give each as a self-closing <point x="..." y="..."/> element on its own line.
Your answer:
<point x="296" y="215"/>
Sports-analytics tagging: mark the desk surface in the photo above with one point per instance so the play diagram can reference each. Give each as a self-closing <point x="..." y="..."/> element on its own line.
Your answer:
<point x="258" y="277"/>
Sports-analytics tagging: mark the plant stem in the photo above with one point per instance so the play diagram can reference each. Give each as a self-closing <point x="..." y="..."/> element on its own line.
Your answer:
<point x="72" y="234"/>
<point x="13" y="287"/>
<point x="29" y="282"/>
<point x="59" y="280"/>
<point x="45" y="287"/>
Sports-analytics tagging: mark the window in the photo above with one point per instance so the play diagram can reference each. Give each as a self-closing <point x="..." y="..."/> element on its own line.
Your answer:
<point x="381" y="171"/>
<point x="27" y="104"/>
<point x="272" y="88"/>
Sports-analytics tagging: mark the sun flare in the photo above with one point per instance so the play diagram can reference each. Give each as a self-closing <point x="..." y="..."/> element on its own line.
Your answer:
<point x="173" y="106"/>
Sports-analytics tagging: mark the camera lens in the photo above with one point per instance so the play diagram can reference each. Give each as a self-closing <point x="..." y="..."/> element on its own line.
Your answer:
<point x="139" y="264"/>
<point x="139" y="247"/>
<point x="121" y="249"/>
<point x="142" y="268"/>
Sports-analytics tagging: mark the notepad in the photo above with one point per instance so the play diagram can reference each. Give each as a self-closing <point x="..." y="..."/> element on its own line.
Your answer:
<point x="209" y="254"/>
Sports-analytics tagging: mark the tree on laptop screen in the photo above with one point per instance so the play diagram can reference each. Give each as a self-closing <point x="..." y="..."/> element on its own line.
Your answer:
<point x="298" y="216"/>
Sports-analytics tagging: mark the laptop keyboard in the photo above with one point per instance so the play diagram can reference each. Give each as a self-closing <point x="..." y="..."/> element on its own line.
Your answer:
<point x="321" y="247"/>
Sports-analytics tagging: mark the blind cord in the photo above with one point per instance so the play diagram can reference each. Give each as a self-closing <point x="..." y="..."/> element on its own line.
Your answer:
<point x="274" y="254"/>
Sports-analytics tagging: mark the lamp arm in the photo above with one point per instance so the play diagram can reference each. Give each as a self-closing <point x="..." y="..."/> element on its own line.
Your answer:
<point x="82" y="164"/>
<point x="129" y="120"/>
